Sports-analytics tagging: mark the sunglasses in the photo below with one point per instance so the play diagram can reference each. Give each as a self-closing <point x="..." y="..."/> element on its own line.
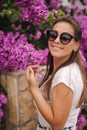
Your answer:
<point x="65" y="37"/>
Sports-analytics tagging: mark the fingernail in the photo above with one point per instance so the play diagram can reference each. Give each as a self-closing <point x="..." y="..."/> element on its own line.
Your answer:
<point x="30" y="68"/>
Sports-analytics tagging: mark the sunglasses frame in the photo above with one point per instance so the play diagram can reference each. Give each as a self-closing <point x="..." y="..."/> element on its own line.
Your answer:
<point x="56" y="35"/>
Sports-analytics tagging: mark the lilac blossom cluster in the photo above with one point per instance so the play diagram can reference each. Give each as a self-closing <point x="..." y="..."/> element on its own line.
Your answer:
<point x="81" y="119"/>
<point x="76" y="8"/>
<point x="16" y="53"/>
<point x="3" y="101"/>
<point x="79" y="11"/>
<point x="32" y="10"/>
<point x="82" y="19"/>
<point x="81" y="122"/>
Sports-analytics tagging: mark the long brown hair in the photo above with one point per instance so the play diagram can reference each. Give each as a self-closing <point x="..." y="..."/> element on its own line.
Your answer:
<point x="74" y="57"/>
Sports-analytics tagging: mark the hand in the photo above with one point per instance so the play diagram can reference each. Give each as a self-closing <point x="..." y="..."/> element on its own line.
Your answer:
<point x="31" y="76"/>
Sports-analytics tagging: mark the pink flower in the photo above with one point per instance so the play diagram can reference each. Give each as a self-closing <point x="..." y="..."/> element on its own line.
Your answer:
<point x="3" y="98"/>
<point x="39" y="76"/>
<point x="37" y="35"/>
<point x="81" y="122"/>
<point x="1" y="113"/>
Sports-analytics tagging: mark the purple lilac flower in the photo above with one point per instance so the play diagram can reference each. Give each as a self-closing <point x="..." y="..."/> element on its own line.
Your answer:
<point x="54" y="4"/>
<point x="85" y="2"/>
<point x="83" y="59"/>
<point x="1" y="113"/>
<point x="39" y="76"/>
<point x="3" y="98"/>
<point x="81" y="122"/>
<point x="16" y="53"/>
<point x="37" y="35"/>
<point x="32" y="10"/>
<point x="17" y="28"/>
<point x="82" y="19"/>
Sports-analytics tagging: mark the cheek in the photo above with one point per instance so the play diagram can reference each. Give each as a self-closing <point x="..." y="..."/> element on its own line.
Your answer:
<point x="69" y="48"/>
<point x="49" y="44"/>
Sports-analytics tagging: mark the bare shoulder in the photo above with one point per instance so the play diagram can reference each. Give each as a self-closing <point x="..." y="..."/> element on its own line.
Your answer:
<point x="62" y="89"/>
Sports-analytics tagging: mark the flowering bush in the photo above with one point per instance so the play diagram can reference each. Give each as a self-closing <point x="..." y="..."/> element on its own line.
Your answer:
<point x="26" y="21"/>
<point x="16" y="53"/>
<point x="81" y="122"/>
<point x="3" y="101"/>
<point x="23" y="42"/>
<point x="24" y="16"/>
<point x="82" y="118"/>
<point x="79" y="11"/>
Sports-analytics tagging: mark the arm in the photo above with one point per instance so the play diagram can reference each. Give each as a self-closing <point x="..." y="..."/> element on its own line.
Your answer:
<point x="57" y="113"/>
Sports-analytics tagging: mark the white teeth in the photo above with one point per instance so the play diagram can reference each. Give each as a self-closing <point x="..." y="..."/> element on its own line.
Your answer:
<point x="56" y="48"/>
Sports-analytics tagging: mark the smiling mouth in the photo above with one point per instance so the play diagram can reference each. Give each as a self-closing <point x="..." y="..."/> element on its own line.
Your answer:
<point x="57" y="47"/>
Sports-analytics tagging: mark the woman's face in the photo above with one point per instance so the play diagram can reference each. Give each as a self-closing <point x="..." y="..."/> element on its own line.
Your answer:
<point x="59" y="50"/>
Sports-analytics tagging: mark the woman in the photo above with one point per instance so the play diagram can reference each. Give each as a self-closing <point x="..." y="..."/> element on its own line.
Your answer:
<point x="62" y="90"/>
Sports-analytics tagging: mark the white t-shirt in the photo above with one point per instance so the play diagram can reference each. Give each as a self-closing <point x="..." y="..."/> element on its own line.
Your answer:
<point x="71" y="76"/>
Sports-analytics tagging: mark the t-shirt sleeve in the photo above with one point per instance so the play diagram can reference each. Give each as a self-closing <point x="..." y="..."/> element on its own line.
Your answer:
<point x="63" y="76"/>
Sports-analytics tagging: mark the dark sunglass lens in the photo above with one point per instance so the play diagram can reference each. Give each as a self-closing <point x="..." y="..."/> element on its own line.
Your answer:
<point x="51" y="35"/>
<point x="65" y="38"/>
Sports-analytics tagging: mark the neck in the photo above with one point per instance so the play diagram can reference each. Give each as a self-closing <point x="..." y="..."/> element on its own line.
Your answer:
<point x="58" y="61"/>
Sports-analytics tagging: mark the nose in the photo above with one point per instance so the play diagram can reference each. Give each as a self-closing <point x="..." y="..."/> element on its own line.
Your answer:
<point x="57" y="40"/>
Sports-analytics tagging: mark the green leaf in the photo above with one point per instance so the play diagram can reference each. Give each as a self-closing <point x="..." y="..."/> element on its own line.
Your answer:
<point x="43" y="25"/>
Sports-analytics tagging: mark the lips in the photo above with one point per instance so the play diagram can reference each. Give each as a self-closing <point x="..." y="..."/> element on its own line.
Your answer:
<point x="56" y="47"/>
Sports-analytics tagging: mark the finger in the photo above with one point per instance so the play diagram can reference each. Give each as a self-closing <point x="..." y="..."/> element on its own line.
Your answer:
<point x="28" y="72"/>
<point x="31" y="71"/>
<point x="35" y="68"/>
